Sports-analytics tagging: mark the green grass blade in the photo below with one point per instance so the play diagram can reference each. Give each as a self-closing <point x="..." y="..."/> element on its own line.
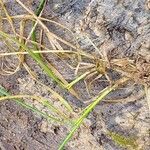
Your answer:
<point x="54" y="109"/>
<point x="85" y="114"/>
<point x="3" y="92"/>
<point x="33" y="36"/>
<point x="57" y="96"/>
<point x="34" y="109"/>
<point x="77" y="80"/>
<point x="40" y="7"/>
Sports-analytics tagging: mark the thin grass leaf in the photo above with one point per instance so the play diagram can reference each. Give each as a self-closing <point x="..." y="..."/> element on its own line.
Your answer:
<point x="47" y="104"/>
<point x="77" y="80"/>
<point x="12" y="69"/>
<point x="7" y="15"/>
<point x="84" y="115"/>
<point x="33" y="36"/>
<point x="34" y="109"/>
<point x="55" y="95"/>
<point x="36" y="52"/>
<point x="27" y="96"/>
<point x="3" y="92"/>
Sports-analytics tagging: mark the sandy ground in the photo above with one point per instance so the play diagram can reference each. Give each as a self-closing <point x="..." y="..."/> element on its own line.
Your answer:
<point x="121" y="26"/>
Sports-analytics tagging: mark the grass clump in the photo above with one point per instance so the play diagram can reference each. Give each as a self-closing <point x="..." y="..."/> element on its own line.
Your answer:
<point x="97" y="67"/>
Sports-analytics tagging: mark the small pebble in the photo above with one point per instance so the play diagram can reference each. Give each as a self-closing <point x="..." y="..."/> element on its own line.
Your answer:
<point x="44" y="126"/>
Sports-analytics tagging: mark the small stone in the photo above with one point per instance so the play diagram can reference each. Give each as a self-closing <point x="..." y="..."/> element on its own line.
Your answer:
<point x="87" y="122"/>
<point x="44" y="127"/>
<point x="128" y="36"/>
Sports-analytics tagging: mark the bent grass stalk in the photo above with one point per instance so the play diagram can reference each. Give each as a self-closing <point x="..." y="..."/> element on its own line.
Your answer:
<point x="55" y="95"/>
<point x="4" y="95"/>
<point x="41" y="100"/>
<point x="77" y="80"/>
